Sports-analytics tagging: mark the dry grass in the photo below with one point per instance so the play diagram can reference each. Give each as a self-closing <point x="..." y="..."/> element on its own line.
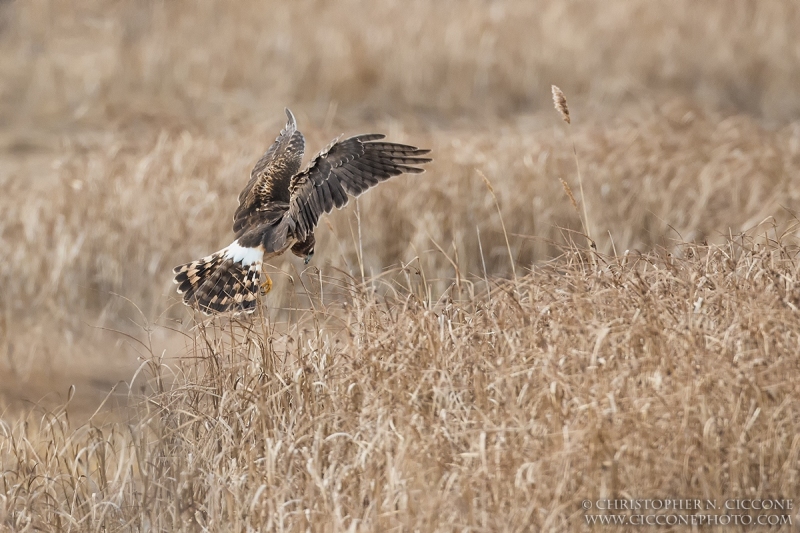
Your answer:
<point x="653" y="376"/>
<point x="404" y="380"/>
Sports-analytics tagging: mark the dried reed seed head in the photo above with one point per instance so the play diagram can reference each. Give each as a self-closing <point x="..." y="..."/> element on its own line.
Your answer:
<point x="568" y="190"/>
<point x="486" y="181"/>
<point x="560" y="102"/>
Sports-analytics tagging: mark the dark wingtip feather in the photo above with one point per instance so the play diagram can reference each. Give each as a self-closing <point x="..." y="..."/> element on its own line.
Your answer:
<point x="292" y="122"/>
<point x="394" y="148"/>
<point x="367" y="137"/>
<point x="411" y="170"/>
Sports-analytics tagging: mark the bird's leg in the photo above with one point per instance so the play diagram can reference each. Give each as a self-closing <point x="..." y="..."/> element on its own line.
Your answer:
<point x="267" y="285"/>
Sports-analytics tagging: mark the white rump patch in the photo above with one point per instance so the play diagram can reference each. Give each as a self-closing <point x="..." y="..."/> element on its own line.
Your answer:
<point x="243" y="255"/>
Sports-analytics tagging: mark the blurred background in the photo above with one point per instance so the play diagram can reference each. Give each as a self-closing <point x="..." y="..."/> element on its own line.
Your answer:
<point x="128" y="127"/>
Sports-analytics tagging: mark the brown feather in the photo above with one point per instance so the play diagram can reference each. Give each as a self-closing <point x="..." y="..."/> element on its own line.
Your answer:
<point x="343" y="169"/>
<point x="270" y="178"/>
<point x="215" y="284"/>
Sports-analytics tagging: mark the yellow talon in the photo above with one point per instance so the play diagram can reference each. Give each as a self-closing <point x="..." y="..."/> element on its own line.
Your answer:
<point x="267" y="285"/>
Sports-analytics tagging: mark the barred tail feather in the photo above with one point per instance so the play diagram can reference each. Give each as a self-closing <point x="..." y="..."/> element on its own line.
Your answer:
<point x="228" y="280"/>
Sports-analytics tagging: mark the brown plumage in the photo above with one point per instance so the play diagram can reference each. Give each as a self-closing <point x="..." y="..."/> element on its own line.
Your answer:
<point x="280" y="207"/>
<point x="217" y="284"/>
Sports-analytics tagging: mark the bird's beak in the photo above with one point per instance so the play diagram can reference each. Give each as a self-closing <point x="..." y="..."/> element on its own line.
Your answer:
<point x="308" y="258"/>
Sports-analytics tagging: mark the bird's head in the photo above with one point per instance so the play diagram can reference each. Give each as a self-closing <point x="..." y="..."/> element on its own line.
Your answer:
<point x="305" y="249"/>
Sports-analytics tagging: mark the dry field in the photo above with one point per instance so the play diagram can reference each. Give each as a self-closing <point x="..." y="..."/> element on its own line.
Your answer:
<point x="455" y="357"/>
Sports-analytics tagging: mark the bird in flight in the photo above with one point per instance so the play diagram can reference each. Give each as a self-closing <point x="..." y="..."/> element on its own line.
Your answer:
<point x="280" y="207"/>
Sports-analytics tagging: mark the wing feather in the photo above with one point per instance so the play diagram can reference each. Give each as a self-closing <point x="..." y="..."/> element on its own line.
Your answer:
<point x="358" y="182"/>
<point x="268" y="188"/>
<point x="337" y="191"/>
<point x="324" y="196"/>
<point x="343" y="169"/>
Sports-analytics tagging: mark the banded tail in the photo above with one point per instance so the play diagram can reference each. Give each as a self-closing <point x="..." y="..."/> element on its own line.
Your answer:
<point x="228" y="280"/>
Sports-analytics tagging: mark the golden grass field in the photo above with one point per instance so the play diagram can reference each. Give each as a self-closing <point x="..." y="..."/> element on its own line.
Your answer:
<point x="455" y="357"/>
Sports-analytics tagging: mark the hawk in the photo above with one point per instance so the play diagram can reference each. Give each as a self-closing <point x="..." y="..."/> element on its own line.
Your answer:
<point x="279" y="208"/>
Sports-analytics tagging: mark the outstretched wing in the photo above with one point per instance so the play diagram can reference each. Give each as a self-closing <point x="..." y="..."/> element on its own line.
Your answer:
<point x="343" y="169"/>
<point x="270" y="178"/>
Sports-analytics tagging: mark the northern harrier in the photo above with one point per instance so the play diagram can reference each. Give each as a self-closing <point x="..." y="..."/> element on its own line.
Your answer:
<point x="279" y="208"/>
